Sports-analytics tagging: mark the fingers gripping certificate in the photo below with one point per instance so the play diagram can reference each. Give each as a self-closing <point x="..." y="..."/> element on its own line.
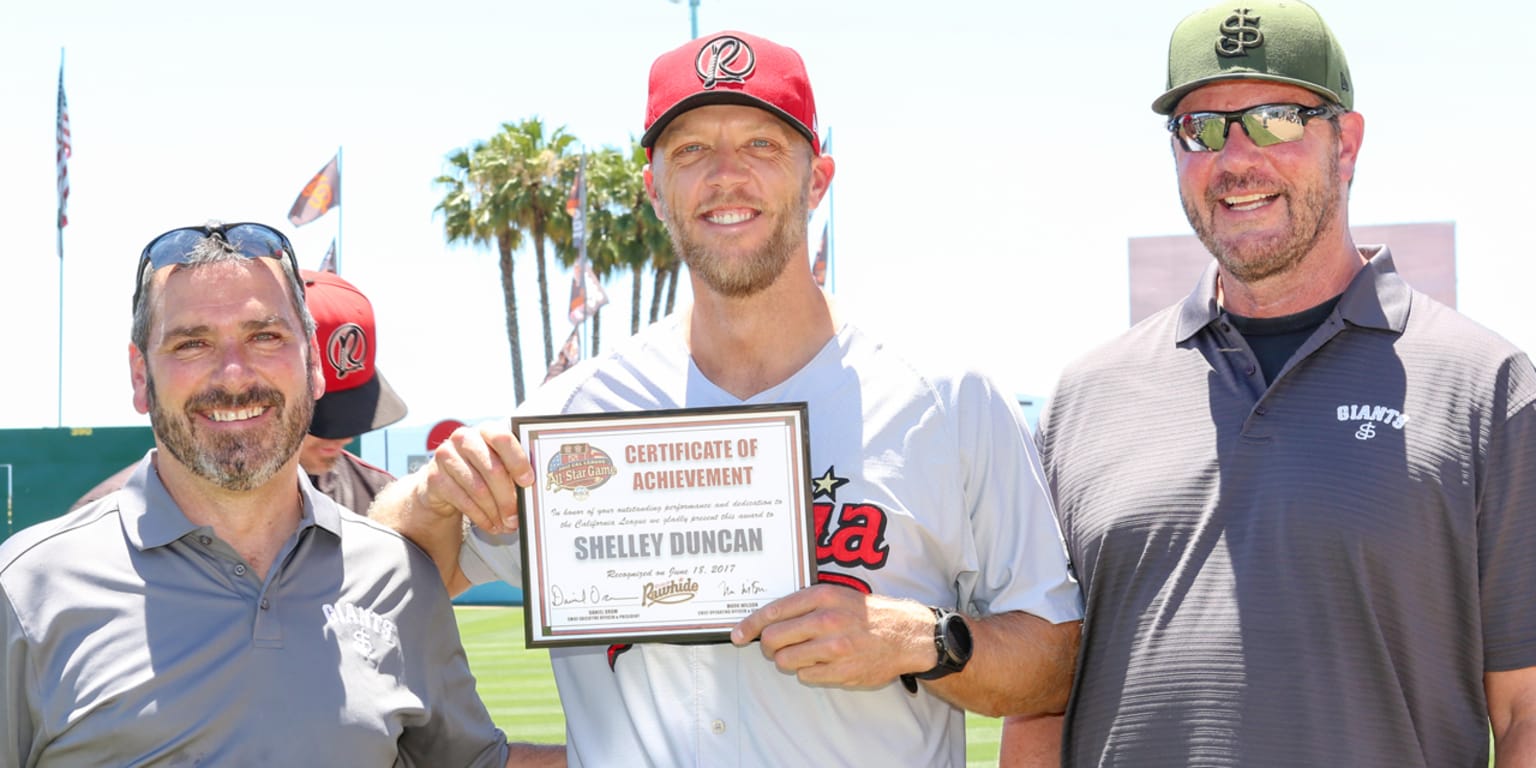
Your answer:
<point x="662" y="525"/>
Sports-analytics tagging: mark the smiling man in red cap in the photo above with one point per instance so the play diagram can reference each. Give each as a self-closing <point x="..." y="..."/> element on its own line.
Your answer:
<point x="938" y="556"/>
<point x="357" y="398"/>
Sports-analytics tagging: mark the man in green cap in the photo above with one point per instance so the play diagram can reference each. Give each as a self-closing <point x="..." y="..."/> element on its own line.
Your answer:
<point x="1301" y="503"/>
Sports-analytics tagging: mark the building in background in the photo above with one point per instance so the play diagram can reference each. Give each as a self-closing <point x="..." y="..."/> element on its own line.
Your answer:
<point x="1163" y="270"/>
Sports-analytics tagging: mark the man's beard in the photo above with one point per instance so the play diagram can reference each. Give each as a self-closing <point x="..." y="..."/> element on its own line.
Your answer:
<point x="1312" y="210"/>
<point x="234" y="462"/>
<point x="751" y="273"/>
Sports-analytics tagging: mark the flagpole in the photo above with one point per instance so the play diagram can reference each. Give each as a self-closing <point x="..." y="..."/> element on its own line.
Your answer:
<point x="339" y="210"/>
<point x="60" y="420"/>
<point x="586" y="297"/>
<point x="831" y="239"/>
<point x="831" y="228"/>
<point x="582" y="329"/>
<point x="59" y="224"/>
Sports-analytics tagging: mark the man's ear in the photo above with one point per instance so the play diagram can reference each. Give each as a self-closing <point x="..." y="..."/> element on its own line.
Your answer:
<point x="317" y="375"/>
<point x="1351" y="136"/>
<point x="822" y="170"/>
<point x="650" y="188"/>
<point x="138" y="372"/>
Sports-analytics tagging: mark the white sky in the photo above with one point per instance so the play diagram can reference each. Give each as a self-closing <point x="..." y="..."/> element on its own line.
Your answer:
<point x="992" y="159"/>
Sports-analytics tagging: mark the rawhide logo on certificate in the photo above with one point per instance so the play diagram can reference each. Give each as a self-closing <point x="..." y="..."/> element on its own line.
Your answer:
<point x="663" y="526"/>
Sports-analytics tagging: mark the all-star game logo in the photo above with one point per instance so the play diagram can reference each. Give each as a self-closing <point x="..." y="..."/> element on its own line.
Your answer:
<point x="578" y="468"/>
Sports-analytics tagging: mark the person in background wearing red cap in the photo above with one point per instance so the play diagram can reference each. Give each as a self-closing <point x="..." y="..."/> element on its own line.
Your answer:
<point x="217" y="609"/>
<point x="939" y="558"/>
<point x="1302" y="501"/>
<point x="357" y="398"/>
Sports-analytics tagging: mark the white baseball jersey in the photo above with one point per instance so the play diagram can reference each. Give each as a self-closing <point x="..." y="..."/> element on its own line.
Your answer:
<point x="925" y="487"/>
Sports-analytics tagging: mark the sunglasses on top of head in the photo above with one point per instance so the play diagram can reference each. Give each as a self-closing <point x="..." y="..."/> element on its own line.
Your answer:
<point x="249" y="239"/>
<point x="1265" y="124"/>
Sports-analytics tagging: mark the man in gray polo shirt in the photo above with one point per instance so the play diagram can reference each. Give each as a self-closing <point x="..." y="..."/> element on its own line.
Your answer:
<point x="1302" y="502"/>
<point x="218" y="610"/>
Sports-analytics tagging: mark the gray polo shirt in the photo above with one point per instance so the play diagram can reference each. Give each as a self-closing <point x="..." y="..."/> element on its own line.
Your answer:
<point x="132" y="637"/>
<point x="1314" y="573"/>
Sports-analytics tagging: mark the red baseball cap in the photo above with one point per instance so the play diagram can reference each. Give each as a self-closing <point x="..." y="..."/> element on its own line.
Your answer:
<point x="357" y="398"/>
<point x="730" y="68"/>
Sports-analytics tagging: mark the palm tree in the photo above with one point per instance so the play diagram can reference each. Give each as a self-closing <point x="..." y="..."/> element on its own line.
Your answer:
<point x="664" y="259"/>
<point x="623" y="231"/>
<point x="642" y="238"/>
<point x="672" y="267"/>
<point x="473" y="213"/>
<point x="532" y="174"/>
<point x="615" y="192"/>
<point x="599" y="228"/>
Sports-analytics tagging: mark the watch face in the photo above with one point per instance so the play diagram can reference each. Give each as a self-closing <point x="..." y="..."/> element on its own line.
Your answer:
<point x="957" y="638"/>
<point x="952" y="641"/>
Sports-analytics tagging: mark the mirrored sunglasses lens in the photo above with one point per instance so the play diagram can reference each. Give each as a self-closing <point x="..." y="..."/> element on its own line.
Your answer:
<point x="1273" y="125"/>
<point x="173" y="247"/>
<point x="255" y="241"/>
<point x="1202" y="132"/>
<point x="1181" y="130"/>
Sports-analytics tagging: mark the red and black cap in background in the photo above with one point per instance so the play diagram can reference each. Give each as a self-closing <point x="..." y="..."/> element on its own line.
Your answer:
<point x="357" y="398"/>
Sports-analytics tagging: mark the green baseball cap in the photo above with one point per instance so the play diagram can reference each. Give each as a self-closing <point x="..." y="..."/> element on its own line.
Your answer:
<point x="1281" y="41"/>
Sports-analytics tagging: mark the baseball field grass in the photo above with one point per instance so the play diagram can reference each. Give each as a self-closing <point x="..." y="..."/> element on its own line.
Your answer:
<point x="519" y="689"/>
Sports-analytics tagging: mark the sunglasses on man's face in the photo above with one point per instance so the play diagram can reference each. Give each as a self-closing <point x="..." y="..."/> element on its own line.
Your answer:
<point x="1265" y="125"/>
<point x="249" y="239"/>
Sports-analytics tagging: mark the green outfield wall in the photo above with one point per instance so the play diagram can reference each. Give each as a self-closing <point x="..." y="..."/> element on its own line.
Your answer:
<point x="43" y="471"/>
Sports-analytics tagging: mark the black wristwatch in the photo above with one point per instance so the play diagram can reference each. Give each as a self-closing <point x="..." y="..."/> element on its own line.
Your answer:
<point x="952" y="641"/>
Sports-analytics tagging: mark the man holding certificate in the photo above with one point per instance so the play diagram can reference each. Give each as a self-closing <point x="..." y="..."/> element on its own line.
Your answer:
<point x="666" y="469"/>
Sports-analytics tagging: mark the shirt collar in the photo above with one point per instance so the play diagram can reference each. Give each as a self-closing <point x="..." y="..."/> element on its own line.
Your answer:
<point x="1377" y="297"/>
<point x="152" y="519"/>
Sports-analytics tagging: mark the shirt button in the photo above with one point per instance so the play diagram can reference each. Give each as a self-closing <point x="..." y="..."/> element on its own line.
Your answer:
<point x="717" y="726"/>
<point x="206" y="540"/>
<point x="263" y="603"/>
<point x="1226" y="328"/>
<point x="1250" y="370"/>
<point x="239" y="569"/>
<point x="1261" y="410"/>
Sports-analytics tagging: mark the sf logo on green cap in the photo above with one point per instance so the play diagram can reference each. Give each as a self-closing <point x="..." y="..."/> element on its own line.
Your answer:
<point x="1239" y="33"/>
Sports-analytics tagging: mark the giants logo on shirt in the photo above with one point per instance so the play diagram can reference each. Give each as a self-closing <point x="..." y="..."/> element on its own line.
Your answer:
<point x="1368" y="416"/>
<point x="371" y="635"/>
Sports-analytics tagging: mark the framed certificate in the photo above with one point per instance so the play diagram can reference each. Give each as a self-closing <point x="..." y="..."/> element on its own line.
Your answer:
<point x="666" y="526"/>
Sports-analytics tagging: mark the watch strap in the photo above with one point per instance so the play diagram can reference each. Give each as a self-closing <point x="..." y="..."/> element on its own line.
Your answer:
<point x="945" y="665"/>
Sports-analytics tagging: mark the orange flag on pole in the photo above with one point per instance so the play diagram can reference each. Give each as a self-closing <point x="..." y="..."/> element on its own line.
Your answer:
<point x="321" y="194"/>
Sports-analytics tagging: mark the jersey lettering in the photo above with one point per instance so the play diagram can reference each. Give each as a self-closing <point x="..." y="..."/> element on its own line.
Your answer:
<point x="858" y="542"/>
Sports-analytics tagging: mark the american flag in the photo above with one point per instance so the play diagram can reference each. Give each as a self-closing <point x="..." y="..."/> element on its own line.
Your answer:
<point x="64" y="150"/>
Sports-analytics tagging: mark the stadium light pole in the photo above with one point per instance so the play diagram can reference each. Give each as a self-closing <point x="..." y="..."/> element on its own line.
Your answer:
<point x="693" y="17"/>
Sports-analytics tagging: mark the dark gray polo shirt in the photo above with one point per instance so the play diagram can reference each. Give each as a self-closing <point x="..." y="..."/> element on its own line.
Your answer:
<point x="1314" y="573"/>
<point x="132" y="637"/>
